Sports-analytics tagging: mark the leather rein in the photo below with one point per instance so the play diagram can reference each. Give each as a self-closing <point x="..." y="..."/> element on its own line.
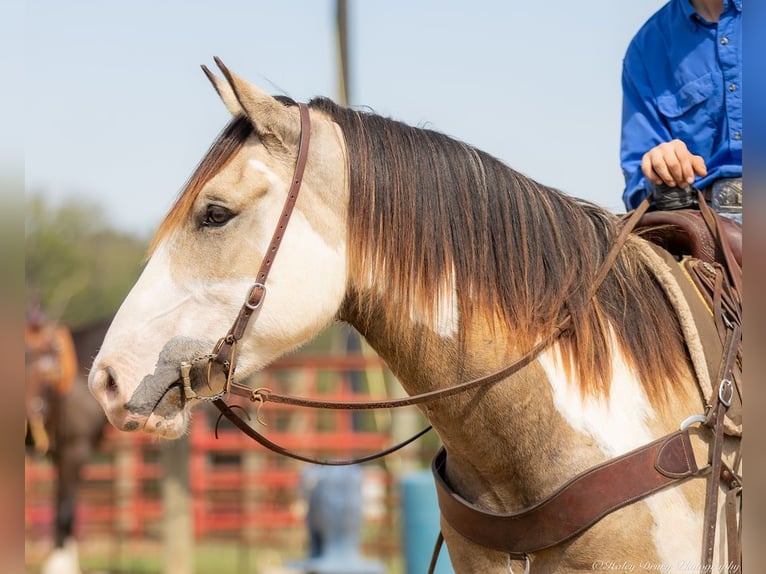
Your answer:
<point x="225" y="351"/>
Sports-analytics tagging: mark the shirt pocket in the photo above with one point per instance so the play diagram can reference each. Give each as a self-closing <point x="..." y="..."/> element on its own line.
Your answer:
<point x="676" y="104"/>
<point x="690" y="113"/>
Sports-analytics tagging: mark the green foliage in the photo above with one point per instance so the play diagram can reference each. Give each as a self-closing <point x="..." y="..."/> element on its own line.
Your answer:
<point x="76" y="265"/>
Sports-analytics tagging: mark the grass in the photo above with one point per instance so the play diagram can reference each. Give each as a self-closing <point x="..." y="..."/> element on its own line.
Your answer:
<point x="104" y="556"/>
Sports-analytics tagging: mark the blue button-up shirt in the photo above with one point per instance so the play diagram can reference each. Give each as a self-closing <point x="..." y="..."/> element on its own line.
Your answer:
<point x="682" y="79"/>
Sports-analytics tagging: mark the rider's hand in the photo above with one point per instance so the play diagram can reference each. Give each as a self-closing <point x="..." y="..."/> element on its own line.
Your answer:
<point x="672" y="164"/>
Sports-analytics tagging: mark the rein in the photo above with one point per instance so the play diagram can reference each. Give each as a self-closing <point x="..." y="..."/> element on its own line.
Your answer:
<point x="225" y="350"/>
<point x="262" y="395"/>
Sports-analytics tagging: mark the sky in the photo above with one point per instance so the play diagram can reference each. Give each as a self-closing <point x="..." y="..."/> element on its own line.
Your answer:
<point x="118" y="112"/>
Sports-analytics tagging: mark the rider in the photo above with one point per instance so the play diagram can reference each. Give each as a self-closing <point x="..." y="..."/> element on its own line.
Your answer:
<point x="682" y="107"/>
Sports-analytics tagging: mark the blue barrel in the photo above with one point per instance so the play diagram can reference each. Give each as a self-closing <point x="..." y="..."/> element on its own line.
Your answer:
<point x="420" y="520"/>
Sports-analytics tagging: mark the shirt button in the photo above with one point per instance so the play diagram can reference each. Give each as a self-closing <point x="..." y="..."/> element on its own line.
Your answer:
<point x="732" y="87"/>
<point x="724" y="41"/>
<point x="737" y="136"/>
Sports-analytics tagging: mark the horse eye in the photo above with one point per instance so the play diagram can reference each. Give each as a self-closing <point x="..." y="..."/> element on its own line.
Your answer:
<point x="216" y="216"/>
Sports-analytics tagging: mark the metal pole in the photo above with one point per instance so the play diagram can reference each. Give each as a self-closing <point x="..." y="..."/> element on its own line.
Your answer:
<point x="341" y="18"/>
<point x="178" y="531"/>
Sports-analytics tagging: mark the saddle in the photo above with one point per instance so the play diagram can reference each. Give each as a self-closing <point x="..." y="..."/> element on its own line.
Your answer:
<point x="684" y="232"/>
<point x="703" y="253"/>
<point x="706" y="259"/>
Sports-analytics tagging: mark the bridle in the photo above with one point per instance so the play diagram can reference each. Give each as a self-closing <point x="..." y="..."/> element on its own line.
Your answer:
<point x="226" y="348"/>
<point x="224" y="352"/>
<point x="672" y="451"/>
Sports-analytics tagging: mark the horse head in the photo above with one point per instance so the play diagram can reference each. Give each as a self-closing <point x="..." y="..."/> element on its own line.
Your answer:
<point x="205" y="255"/>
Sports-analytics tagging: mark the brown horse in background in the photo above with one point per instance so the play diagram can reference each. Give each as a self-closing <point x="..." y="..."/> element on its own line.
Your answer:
<point x="72" y="427"/>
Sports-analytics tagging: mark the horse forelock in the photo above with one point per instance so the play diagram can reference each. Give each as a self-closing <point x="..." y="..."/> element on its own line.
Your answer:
<point x="226" y="145"/>
<point x="432" y="219"/>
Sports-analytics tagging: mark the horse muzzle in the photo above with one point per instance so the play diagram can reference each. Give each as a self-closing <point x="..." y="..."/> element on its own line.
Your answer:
<point x="158" y="401"/>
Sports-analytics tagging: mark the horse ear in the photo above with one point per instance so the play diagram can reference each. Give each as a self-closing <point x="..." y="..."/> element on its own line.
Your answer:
<point x="268" y="115"/>
<point x="225" y="92"/>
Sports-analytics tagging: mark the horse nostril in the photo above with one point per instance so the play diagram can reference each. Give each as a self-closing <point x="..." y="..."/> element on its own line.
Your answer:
<point x="110" y="385"/>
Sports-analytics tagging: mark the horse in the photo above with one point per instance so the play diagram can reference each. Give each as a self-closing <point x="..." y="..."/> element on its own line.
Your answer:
<point x="74" y="425"/>
<point x="452" y="265"/>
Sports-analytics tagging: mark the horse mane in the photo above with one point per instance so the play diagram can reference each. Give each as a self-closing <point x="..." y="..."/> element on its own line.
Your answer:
<point x="432" y="214"/>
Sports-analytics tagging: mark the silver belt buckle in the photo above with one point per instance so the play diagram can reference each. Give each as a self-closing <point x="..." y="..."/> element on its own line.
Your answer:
<point x="726" y="197"/>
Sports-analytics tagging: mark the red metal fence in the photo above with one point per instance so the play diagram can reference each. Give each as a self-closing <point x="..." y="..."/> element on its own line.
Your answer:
<point x="237" y="489"/>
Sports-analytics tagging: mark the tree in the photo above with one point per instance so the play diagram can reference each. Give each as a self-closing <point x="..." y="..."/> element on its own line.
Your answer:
<point x="78" y="267"/>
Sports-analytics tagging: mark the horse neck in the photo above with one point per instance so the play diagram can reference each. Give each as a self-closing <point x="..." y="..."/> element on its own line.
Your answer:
<point x="492" y="432"/>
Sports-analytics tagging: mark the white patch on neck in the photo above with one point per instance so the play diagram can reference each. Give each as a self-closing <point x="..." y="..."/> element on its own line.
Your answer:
<point x="444" y="312"/>
<point x="677" y="531"/>
<point x="618" y="425"/>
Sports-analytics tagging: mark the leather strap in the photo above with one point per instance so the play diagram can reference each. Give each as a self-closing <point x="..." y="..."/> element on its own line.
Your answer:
<point x="252" y="305"/>
<point x="713" y="221"/>
<point x="722" y="400"/>
<point x="263" y="395"/>
<point x="574" y="507"/>
<point x="227" y="412"/>
<point x="730" y="329"/>
<point x="435" y="553"/>
<point x="629" y="223"/>
<point x="734" y="529"/>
